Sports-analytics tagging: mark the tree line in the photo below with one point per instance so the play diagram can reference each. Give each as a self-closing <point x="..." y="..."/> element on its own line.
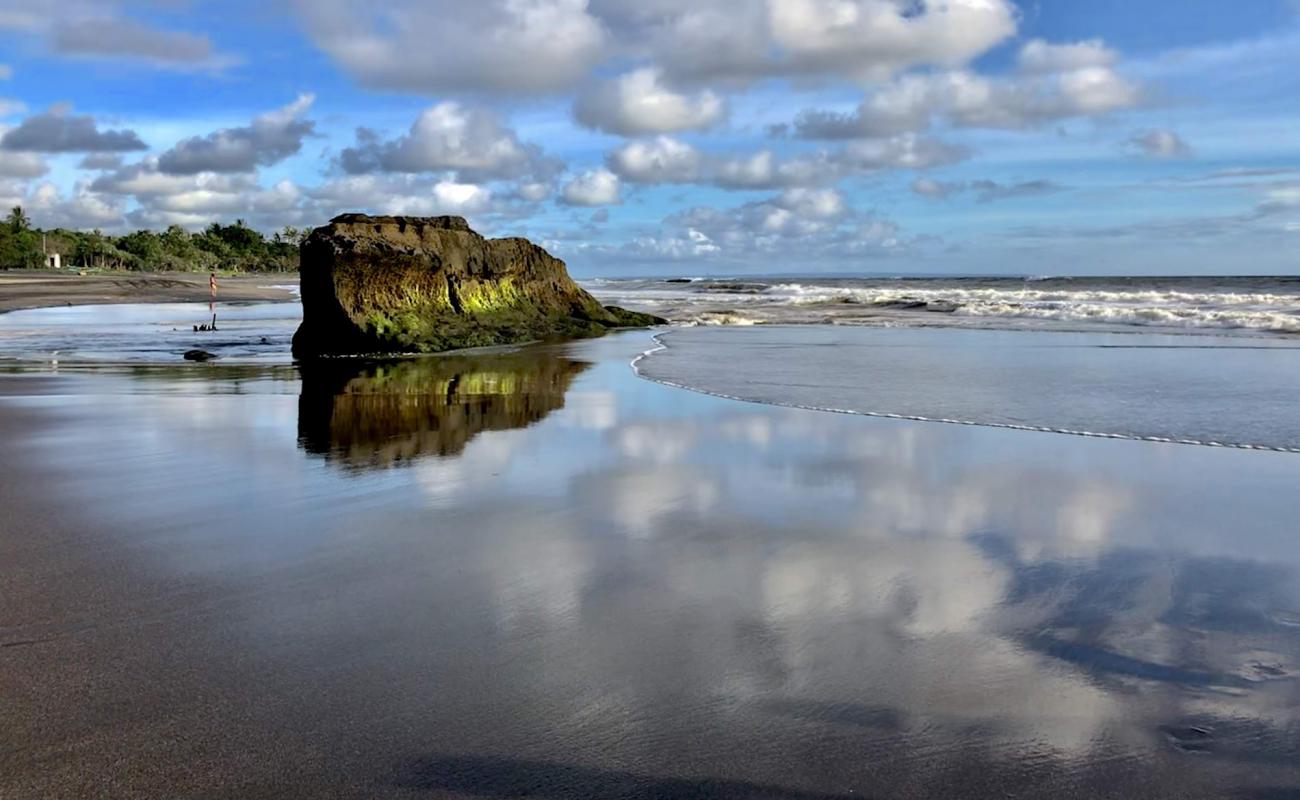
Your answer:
<point x="236" y="247"/>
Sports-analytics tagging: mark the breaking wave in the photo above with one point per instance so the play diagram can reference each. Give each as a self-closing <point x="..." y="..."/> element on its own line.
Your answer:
<point x="1249" y="305"/>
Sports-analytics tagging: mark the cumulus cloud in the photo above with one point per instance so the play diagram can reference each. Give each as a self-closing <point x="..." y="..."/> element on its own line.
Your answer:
<point x="549" y="45"/>
<point x="1041" y="57"/>
<point x="82" y="209"/>
<point x="597" y="187"/>
<point x="471" y="142"/>
<point x="796" y="224"/>
<point x="22" y="165"/>
<point x="908" y="151"/>
<point x="217" y="198"/>
<point x="58" y="130"/>
<point x="269" y="139"/>
<point x="1158" y="143"/>
<point x="124" y="38"/>
<point x="400" y="194"/>
<point x="434" y="46"/>
<point x="1057" y="82"/>
<point x="6" y="72"/>
<point x="744" y="40"/>
<point x="765" y="170"/>
<point x="659" y="160"/>
<point x="164" y="199"/>
<point x="667" y="160"/>
<point x="19" y="164"/>
<point x="101" y="161"/>
<point x="101" y="29"/>
<point x="639" y="103"/>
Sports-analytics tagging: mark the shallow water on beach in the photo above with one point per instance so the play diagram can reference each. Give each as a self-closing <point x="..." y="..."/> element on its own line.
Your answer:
<point x="139" y="332"/>
<point x="1227" y="391"/>
<point x="536" y="574"/>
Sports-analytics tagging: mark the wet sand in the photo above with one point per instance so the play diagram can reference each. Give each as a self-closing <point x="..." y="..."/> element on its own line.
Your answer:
<point x="36" y="289"/>
<point x="538" y="575"/>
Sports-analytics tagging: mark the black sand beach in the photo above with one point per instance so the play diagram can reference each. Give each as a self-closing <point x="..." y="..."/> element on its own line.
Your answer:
<point x="539" y="575"/>
<point x="34" y="289"/>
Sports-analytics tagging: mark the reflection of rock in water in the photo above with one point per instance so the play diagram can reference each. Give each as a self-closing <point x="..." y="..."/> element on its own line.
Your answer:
<point x="382" y="414"/>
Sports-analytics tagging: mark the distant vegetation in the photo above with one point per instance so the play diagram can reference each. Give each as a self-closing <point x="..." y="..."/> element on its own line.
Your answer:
<point x="230" y="248"/>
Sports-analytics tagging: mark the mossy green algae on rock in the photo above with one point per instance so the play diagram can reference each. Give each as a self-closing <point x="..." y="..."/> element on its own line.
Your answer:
<point x="374" y="284"/>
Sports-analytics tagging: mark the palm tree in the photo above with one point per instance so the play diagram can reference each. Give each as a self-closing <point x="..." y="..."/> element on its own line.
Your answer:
<point x="18" y="220"/>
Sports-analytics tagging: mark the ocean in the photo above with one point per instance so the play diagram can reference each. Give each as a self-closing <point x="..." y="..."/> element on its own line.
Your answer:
<point x="1227" y="305"/>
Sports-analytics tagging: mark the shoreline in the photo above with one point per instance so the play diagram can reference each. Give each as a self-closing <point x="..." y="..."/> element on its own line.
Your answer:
<point x="27" y="289"/>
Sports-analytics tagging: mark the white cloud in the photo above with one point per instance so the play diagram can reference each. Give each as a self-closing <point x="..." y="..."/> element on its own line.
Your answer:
<point x="908" y="151"/>
<point x="532" y="46"/>
<point x="668" y="160"/>
<point x="932" y="189"/>
<point x="1058" y="82"/>
<point x="269" y="139"/>
<point x="405" y="195"/>
<point x="797" y="225"/>
<point x="984" y="191"/>
<point x="659" y="160"/>
<point x="471" y="142"/>
<point x="101" y="29"/>
<point x="461" y="198"/>
<point x="435" y="46"/>
<point x="818" y="204"/>
<point x="58" y="130"/>
<point x="876" y="37"/>
<point x="116" y="37"/>
<point x="597" y="187"/>
<point x="765" y="170"/>
<point x="639" y="103"/>
<point x="18" y="164"/>
<point x="1158" y="143"/>
<point x="1280" y="200"/>
<point x="164" y="199"/>
<point x="6" y="72"/>
<point x="1038" y="56"/>
<point x="83" y="209"/>
<point x="743" y="40"/>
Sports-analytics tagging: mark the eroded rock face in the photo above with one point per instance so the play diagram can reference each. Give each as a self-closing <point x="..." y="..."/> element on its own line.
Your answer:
<point x="426" y="284"/>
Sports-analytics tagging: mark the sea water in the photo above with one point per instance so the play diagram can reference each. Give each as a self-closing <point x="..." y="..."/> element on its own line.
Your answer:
<point x="1234" y="305"/>
<point x="1237" y="391"/>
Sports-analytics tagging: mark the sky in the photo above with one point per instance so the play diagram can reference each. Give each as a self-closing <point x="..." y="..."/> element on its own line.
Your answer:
<point x="682" y="137"/>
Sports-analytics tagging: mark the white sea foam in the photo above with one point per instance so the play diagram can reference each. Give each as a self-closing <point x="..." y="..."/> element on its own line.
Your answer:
<point x="1248" y="307"/>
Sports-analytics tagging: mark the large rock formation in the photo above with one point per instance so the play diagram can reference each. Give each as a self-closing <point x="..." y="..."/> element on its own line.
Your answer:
<point x="426" y="284"/>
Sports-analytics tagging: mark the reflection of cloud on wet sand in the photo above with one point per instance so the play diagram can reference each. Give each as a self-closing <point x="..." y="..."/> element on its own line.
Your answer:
<point x="930" y="555"/>
<point x="898" y="608"/>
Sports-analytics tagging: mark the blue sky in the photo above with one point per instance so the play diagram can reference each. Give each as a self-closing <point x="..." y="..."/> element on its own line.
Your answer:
<point x="682" y="136"/>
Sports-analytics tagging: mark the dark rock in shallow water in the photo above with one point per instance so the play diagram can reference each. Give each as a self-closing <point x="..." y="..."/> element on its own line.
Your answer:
<point x="427" y="284"/>
<point x="198" y="355"/>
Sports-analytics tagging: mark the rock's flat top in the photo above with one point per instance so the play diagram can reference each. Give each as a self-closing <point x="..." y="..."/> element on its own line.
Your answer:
<point x="391" y="284"/>
<point x="447" y="223"/>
